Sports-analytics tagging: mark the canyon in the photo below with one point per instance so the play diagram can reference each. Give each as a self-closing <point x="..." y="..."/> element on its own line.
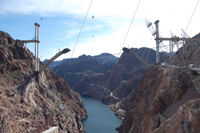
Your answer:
<point x="159" y="99"/>
<point x="106" y="78"/>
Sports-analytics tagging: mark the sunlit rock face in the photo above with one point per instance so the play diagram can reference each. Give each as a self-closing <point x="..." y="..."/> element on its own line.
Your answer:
<point x="29" y="106"/>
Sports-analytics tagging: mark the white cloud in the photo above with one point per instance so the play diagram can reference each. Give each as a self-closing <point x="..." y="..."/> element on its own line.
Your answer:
<point x="116" y="14"/>
<point x="112" y="42"/>
<point x="174" y="15"/>
<point x="101" y="8"/>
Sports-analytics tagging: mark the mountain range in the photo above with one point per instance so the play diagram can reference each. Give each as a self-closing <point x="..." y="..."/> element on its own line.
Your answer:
<point x="107" y="78"/>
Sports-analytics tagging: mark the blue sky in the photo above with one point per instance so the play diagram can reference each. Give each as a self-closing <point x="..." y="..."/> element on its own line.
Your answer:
<point x="56" y="32"/>
<point x="105" y="32"/>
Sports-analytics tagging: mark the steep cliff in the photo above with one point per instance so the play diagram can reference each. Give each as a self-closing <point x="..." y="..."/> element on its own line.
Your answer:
<point x="168" y="97"/>
<point x="88" y="75"/>
<point x="128" y="65"/>
<point x="94" y="85"/>
<point x="29" y="106"/>
<point x="125" y="76"/>
<point x="102" y="79"/>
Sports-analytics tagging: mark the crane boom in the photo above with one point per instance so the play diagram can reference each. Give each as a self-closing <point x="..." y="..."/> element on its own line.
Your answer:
<point x="53" y="58"/>
<point x="137" y="56"/>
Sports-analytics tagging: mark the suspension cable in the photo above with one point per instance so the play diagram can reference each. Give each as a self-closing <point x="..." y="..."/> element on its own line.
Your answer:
<point x="192" y="15"/>
<point x="79" y="34"/>
<point x="133" y="17"/>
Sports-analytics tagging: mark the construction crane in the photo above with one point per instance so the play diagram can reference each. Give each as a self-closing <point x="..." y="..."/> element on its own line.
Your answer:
<point x="64" y="51"/>
<point x="155" y="34"/>
<point x="137" y="56"/>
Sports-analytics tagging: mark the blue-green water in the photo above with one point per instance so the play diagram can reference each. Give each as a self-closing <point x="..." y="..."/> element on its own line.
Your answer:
<point x="100" y="118"/>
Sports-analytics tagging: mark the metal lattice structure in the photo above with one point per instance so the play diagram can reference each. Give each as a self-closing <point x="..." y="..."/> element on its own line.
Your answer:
<point x="173" y="40"/>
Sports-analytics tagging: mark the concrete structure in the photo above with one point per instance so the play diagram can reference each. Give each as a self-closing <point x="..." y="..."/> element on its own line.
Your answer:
<point x="155" y="34"/>
<point x="51" y="130"/>
<point x="37" y="47"/>
<point x="157" y="41"/>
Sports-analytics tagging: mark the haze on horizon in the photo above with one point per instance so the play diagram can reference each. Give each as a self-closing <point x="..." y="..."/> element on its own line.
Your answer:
<point x="105" y="27"/>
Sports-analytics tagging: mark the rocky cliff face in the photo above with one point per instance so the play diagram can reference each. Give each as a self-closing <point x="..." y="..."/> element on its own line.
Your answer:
<point x="88" y="75"/>
<point x="106" y="81"/>
<point x="128" y="65"/>
<point x="94" y="85"/>
<point x="185" y="120"/>
<point x="125" y="76"/>
<point x="189" y="54"/>
<point x="161" y="93"/>
<point x="168" y="97"/>
<point x="29" y="106"/>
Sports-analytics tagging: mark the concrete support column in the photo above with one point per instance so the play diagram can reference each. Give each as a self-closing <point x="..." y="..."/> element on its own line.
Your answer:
<point x="37" y="47"/>
<point x="157" y="41"/>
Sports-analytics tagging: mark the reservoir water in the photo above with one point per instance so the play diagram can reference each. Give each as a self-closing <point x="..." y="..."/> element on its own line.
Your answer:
<point x="100" y="118"/>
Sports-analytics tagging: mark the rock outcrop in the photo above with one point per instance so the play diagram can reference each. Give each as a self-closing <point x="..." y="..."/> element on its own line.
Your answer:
<point x="162" y="91"/>
<point x="185" y="120"/>
<point x="126" y="75"/>
<point x="29" y="106"/>
<point x="168" y="97"/>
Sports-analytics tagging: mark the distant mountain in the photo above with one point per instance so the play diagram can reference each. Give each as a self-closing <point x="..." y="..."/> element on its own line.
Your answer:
<point x="88" y="74"/>
<point x="53" y="64"/>
<point x="98" y="76"/>
<point x="72" y="70"/>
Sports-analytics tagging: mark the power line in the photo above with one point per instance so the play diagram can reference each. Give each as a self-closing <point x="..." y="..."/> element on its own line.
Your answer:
<point x="133" y="17"/>
<point x="79" y="34"/>
<point x="192" y="15"/>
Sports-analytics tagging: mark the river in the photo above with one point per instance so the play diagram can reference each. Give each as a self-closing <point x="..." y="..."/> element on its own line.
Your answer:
<point x="100" y="118"/>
